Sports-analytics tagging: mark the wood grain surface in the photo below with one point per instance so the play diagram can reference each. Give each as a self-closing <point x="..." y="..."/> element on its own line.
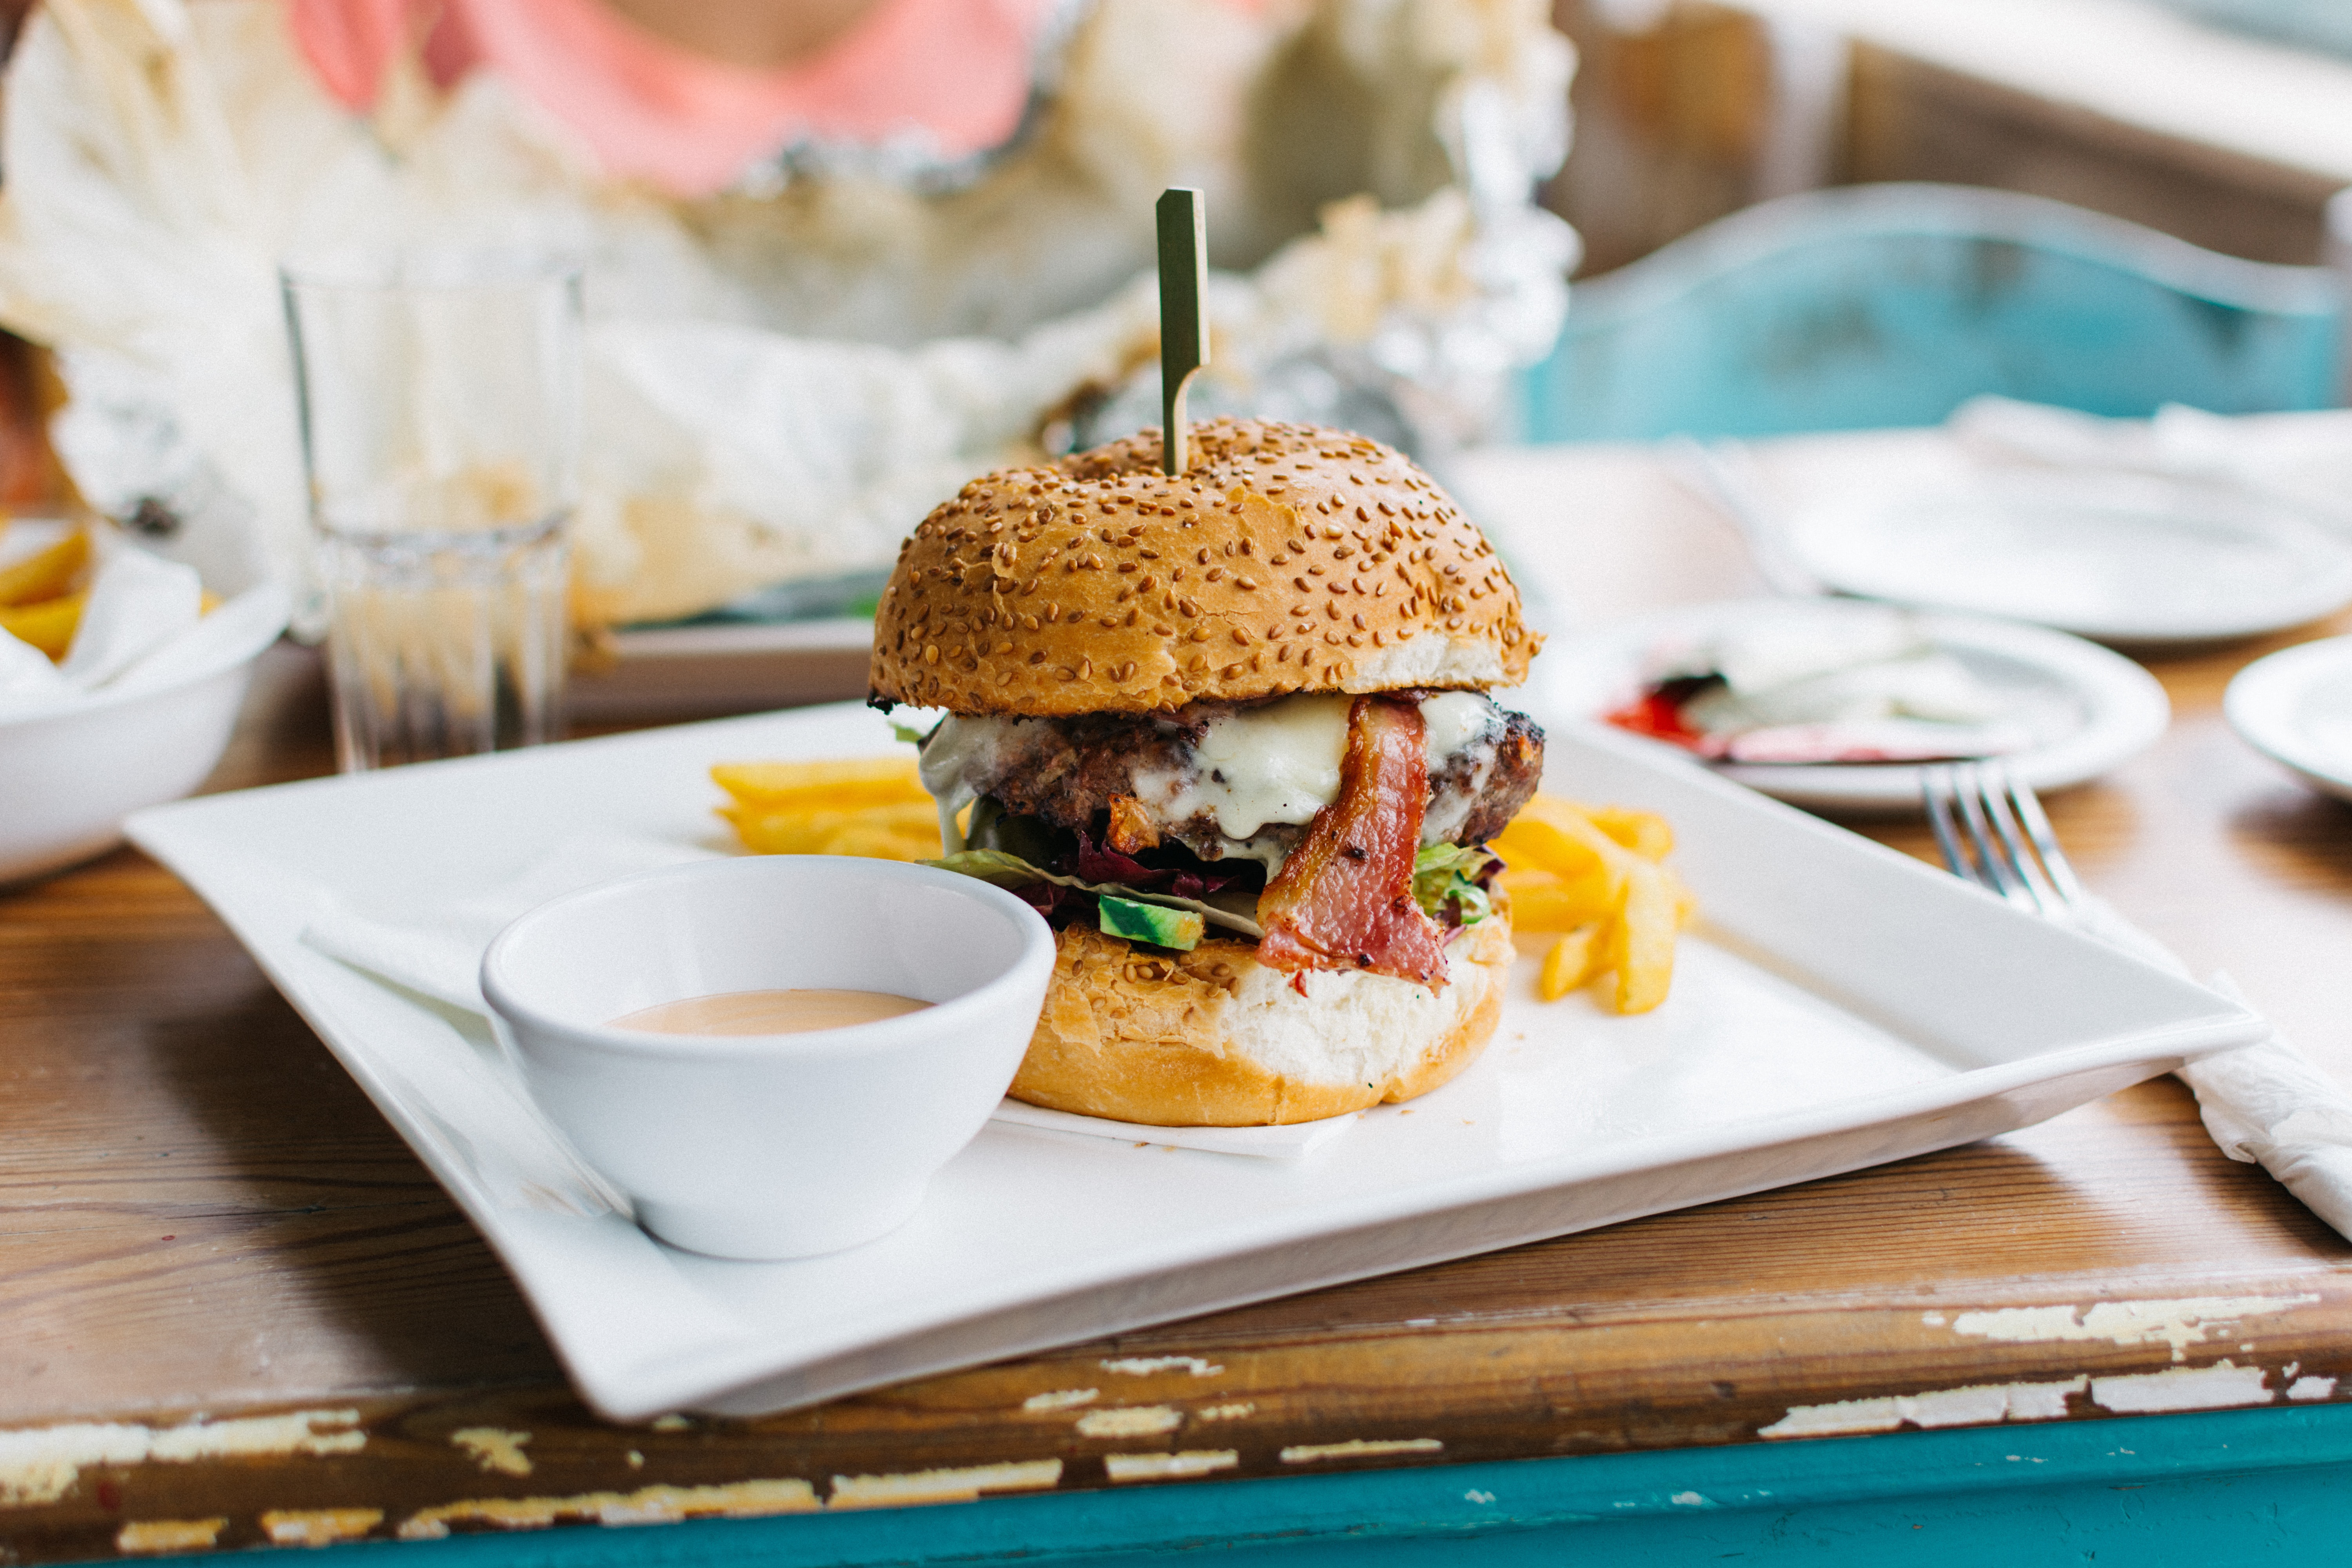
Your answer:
<point x="236" y="1306"/>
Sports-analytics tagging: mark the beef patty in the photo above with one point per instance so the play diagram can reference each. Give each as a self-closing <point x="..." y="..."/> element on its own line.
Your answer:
<point x="1066" y="771"/>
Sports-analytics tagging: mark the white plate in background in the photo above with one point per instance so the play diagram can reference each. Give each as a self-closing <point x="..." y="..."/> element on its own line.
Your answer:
<point x="2295" y="708"/>
<point x="1839" y="1006"/>
<point x="2121" y="558"/>
<point x="2091" y="709"/>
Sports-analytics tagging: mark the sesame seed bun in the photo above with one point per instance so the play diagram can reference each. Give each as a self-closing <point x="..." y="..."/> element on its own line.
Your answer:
<point x="1213" y="1038"/>
<point x="1285" y="558"/>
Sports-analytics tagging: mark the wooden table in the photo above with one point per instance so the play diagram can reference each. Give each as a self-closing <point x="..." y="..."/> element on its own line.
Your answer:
<point x="235" y="1311"/>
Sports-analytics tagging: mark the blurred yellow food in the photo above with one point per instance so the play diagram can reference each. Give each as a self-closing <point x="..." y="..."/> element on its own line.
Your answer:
<point x="1570" y="962"/>
<point x="876" y="808"/>
<point x="1595" y="874"/>
<point x="863" y="780"/>
<point x="47" y="624"/>
<point x="46" y="574"/>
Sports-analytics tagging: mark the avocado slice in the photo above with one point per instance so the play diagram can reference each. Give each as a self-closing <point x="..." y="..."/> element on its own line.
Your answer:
<point x="1179" y="929"/>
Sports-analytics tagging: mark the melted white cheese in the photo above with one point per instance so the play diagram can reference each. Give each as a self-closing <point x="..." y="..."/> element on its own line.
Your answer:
<point x="1275" y="763"/>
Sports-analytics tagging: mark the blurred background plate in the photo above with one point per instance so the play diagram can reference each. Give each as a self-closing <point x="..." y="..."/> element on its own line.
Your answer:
<point x="724" y="667"/>
<point x="2295" y="708"/>
<point x="2123" y="559"/>
<point x="2092" y="709"/>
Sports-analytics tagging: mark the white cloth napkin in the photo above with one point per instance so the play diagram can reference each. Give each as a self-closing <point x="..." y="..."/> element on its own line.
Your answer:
<point x="2264" y="1104"/>
<point x="2303" y="459"/>
<point x="2268" y="1106"/>
<point x="141" y="627"/>
<point x="437" y="953"/>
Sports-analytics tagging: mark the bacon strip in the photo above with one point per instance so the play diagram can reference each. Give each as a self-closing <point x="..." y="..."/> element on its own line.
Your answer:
<point x="1344" y="898"/>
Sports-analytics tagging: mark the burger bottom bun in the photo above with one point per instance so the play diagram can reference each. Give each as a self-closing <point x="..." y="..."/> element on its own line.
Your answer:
<point x="1214" y="1038"/>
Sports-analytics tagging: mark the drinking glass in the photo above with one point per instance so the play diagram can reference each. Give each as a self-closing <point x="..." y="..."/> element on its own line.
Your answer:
<point x="440" y="405"/>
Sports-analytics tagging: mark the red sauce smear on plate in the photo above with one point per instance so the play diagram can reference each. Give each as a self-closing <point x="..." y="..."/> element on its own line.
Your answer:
<point x="1344" y="899"/>
<point x="1658" y="716"/>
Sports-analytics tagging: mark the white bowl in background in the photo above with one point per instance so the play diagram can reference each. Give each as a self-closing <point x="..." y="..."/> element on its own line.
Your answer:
<point x="770" y="1146"/>
<point x="71" y="772"/>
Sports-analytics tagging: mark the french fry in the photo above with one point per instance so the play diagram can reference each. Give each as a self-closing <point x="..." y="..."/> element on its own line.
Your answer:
<point x="1570" y="962"/>
<point x="46" y="574"/>
<point x="1595" y="874"/>
<point x="1644" y="941"/>
<point x="1542" y="901"/>
<point x="769" y="830"/>
<point x="1645" y="832"/>
<point x="49" y="624"/>
<point x="880" y="843"/>
<point x="1565" y="849"/>
<point x="824" y="785"/>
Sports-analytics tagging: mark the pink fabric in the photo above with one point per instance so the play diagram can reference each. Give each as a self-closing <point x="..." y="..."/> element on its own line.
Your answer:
<point x="956" y="70"/>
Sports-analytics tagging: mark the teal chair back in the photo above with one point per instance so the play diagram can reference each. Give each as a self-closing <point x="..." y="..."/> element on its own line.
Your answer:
<point x="1877" y="305"/>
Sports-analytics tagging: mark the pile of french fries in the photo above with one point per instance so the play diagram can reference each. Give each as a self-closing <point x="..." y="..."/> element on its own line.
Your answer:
<point x="41" y="596"/>
<point x="1597" y="876"/>
<point x="876" y="808"/>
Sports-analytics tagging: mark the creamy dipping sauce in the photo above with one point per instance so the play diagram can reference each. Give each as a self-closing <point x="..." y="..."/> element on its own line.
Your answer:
<point x="768" y="1012"/>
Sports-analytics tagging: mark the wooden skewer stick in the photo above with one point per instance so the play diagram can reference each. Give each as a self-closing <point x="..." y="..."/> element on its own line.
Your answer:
<point x="1183" y="326"/>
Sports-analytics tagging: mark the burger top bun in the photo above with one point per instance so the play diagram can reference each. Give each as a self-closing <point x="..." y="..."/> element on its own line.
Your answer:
<point x="1287" y="558"/>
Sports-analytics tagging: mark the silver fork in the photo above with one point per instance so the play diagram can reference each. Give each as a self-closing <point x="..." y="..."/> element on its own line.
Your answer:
<point x="1993" y="831"/>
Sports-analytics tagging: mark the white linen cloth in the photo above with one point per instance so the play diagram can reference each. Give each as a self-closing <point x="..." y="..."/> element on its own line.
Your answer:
<point x="437" y="953"/>
<point x="2303" y="459"/>
<point x="2264" y="1104"/>
<point x="141" y="627"/>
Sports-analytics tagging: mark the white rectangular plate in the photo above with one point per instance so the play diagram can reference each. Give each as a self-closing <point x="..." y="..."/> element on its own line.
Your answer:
<point x="1840" y="1006"/>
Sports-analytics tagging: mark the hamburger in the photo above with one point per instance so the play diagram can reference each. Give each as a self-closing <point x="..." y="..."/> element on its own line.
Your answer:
<point x="1229" y="730"/>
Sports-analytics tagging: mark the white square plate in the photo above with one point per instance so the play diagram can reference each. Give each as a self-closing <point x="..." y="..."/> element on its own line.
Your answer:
<point x="1838" y="1006"/>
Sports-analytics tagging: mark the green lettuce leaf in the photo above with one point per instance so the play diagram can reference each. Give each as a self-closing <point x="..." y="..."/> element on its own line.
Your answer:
<point x="1009" y="870"/>
<point x="1443" y="873"/>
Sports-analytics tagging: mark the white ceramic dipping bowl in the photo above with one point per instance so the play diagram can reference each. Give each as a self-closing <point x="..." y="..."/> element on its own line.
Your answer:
<point x="72" y="772"/>
<point x="770" y="1146"/>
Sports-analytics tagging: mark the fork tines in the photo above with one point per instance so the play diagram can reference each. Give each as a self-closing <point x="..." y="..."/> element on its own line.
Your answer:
<point x="1992" y="830"/>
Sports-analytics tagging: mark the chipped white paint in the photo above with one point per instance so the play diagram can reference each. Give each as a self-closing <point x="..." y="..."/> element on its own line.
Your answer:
<point x="672" y="1423"/>
<point x="40" y="1464"/>
<point x="318" y="1526"/>
<point x="1232" y="1412"/>
<point x="1131" y="1421"/>
<point x="1355" y="1448"/>
<point x="495" y="1448"/>
<point x="945" y="1486"/>
<point x="1061" y="1399"/>
<point x="2179" y="1323"/>
<point x="147" y="1535"/>
<point x="647" y="1505"/>
<point x="1977" y="1404"/>
<point x="636" y="1460"/>
<point x="1933" y="1319"/>
<point x="2215" y="1387"/>
<point x="2311" y="1388"/>
<point x="1146" y="1366"/>
<point x="1170" y="1467"/>
<point x="1474" y="1495"/>
<point x="1690" y="1499"/>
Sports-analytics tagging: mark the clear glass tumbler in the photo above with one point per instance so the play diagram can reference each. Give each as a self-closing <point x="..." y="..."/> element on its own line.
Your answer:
<point x="440" y="403"/>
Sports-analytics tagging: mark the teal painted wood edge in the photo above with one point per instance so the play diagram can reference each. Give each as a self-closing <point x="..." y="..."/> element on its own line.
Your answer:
<point x="1450" y="1502"/>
